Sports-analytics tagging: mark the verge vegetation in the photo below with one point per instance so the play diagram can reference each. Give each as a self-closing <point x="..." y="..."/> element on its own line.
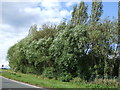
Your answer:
<point x="51" y="83"/>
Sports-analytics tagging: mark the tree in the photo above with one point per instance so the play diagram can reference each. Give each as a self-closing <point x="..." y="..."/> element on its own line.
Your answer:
<point x="82" y="15"/>
<point x="94" y="33"/>
<point x="73" y="19"/>
<point x="96" y="11"/>
<point x="67" y="50"/>
<point x="79" y="14"/>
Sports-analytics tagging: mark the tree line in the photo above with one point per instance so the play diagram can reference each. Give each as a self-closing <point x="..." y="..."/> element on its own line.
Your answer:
<point x="78" y="48"/>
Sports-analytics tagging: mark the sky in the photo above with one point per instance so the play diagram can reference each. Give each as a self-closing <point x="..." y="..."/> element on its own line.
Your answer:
<point x="17" y="17"/>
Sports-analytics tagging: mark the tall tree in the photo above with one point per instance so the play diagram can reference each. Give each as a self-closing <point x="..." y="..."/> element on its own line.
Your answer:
<point x="96" y="11"/>
<point x="82" y="15"/>
<point x="73" y="19"/>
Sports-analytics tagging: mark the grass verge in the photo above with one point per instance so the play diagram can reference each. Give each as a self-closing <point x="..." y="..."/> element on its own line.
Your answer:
<point x="47" y="83"/>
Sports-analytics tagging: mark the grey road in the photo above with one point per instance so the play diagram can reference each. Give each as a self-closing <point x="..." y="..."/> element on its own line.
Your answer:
<point x="8" y="84"/>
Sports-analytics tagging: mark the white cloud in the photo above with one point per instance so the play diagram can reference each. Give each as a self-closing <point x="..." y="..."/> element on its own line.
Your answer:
<point x="13" y="15"/>
<point x="65" y="13"/>
<point x="70" y="3"/>
<point x="8" y="37"/>
<point x="32" y="11"/>
<point x="50" y="4"/>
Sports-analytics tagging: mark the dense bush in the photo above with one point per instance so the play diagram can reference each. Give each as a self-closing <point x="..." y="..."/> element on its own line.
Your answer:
<point x="48" y="72"/>
<point x="65" y="77"/>
<point x="67" y="51"/>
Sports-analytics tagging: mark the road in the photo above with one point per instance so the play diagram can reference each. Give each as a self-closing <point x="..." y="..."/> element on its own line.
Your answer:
<point x="8" y="84"/>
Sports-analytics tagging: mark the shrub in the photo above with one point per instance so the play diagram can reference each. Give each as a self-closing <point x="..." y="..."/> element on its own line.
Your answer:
<point x="108" y="82"/>
<point x="48" y="72"/>
<point x="77" y="80"/>
<point x="65" y="77"/>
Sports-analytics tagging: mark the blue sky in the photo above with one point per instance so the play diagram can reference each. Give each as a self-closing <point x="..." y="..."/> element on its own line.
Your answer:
<point x="17" y="17"/>
<point x="109" y="9"/>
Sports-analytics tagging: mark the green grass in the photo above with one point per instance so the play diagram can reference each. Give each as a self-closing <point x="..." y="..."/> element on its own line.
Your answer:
<point x="47" y="83"/>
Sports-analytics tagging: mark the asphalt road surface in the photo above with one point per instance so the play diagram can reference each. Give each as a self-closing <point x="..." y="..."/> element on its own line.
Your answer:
<point x="8" y="84"/>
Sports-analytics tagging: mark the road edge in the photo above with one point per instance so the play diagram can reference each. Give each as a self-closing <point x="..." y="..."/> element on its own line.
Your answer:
<point x="22" y="83"/>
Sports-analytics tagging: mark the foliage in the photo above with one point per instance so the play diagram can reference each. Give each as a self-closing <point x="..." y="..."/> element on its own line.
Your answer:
<point x="77" y="80"/>
<point x="79" y="14"/>
<point x="96" y="11"/>
<point x="108" y="82"/>
<point x="65" y="77"/>
<point x="48" y="72"/>
<point x="82" y="15"/>
<point x="69" y="50"/>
